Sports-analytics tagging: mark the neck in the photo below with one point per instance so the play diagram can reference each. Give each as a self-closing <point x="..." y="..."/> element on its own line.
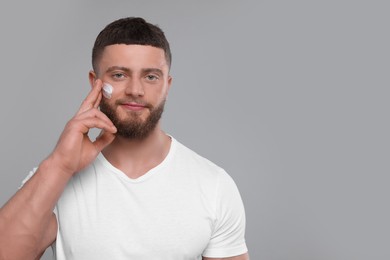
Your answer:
<point x="136" y="157"/>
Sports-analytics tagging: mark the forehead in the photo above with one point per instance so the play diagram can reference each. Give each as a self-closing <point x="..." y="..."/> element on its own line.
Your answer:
<point x="134" y="57"/>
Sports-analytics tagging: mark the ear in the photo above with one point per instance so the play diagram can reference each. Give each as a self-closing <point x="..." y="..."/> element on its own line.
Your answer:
<point x="169" y="83"/>
<point x="92" y="77"/>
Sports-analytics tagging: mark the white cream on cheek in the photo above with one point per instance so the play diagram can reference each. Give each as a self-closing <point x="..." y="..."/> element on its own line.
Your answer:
<point x="107" y="90"/>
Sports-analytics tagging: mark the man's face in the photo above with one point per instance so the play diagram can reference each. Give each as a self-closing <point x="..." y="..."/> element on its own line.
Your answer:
<point x="140" y="80"/>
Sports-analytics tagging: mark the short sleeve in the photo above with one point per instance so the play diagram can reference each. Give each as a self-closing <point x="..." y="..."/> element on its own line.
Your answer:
<point x="228" y="237"/>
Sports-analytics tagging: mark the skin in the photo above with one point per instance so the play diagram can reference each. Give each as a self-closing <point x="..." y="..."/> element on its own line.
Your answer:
<point x="27" y="223"/>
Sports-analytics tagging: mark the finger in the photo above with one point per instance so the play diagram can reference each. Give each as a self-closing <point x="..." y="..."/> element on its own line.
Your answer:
<point x="94" y="113"/>
<point x="97" y="103"/>
<point x="104" y="139"/>
<point x="86" y="124"/>
<point x="92" y="98"/>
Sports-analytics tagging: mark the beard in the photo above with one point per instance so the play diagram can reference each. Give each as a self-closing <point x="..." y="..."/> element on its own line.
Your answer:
<point x="133" y="127"/>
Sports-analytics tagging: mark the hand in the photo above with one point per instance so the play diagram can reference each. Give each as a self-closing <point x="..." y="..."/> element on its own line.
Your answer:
<point x="74" y="150"/>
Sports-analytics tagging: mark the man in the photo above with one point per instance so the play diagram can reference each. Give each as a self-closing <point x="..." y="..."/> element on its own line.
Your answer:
<point x="134" y="192"/>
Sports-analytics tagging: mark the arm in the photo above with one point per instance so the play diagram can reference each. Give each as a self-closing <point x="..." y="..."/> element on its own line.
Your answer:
<point x="239" y="257"/>
<point x="27" y="223"/>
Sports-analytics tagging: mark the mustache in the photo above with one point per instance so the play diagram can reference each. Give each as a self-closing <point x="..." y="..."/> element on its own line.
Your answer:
<point x="134" y="100"/>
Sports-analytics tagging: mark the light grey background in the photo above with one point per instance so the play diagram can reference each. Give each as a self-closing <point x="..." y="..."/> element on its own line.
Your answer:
<point x="290" y="97"/>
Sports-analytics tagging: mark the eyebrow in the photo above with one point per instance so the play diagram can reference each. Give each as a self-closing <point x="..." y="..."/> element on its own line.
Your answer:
<point x="153" y="70"/>
<point x="112" y="68"/>
<point x="127" y="70"/>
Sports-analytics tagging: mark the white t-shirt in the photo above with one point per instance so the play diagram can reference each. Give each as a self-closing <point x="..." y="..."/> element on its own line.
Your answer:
<point x="184" y="208"/>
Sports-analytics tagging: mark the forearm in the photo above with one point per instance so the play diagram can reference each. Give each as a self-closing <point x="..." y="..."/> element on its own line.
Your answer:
<point x="25" y="218"/>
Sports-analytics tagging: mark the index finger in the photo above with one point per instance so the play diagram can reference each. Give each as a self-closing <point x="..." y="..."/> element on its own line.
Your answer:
<point x="93" y="98"/>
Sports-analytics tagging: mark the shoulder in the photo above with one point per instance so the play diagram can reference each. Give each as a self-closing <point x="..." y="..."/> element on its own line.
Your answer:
<point x="190" y="158"/>
<point x="199" y="168"/>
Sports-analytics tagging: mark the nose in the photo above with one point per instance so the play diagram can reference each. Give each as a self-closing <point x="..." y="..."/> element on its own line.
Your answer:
<point x="135" y="88"/>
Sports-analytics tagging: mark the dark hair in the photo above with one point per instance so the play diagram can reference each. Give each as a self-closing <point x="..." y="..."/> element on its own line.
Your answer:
<point x="130" y="30"/>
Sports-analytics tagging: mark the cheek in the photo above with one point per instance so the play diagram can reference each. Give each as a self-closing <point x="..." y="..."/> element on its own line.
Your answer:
<point x="112" y="90"/>
<point x="158" y="98"/>
<point x="105" y="105"/>
<point x="107" y="90"/>
<point x="163" y="92"/>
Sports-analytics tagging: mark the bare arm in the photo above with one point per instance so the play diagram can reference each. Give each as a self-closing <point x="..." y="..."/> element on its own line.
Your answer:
<point x="27" y="223"/>
<point x="239" y="257"/>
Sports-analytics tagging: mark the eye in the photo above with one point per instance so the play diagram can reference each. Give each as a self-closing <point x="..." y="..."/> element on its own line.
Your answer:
<point x="118" y="75"/>
<point x="151" y="77"/>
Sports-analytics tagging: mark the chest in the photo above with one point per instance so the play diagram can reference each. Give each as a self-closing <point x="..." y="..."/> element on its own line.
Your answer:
<point x="150" y="221"/>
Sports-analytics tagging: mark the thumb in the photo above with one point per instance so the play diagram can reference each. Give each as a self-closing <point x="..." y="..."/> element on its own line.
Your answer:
<point x="104" y="139"/>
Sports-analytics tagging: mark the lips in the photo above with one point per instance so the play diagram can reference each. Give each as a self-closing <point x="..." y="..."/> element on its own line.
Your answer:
<point x="133" y="106"/>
